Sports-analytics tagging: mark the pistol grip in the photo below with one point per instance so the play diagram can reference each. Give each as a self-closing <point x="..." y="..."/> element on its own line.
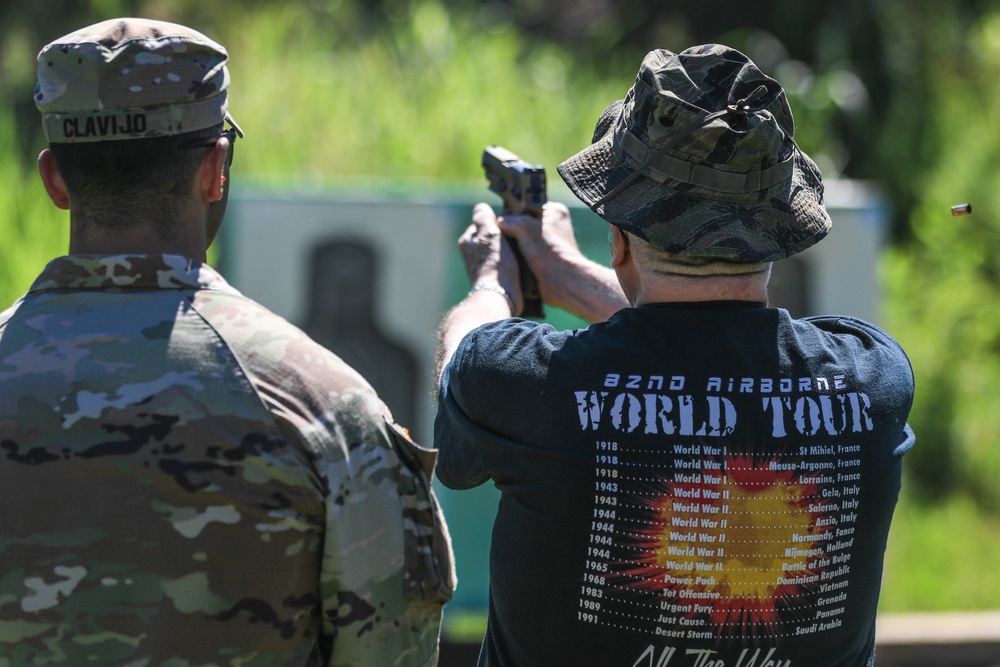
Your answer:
<point x="529" y="286"/>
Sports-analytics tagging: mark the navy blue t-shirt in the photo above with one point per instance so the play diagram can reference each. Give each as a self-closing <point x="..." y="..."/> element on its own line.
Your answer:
<point x="684" y="485"/>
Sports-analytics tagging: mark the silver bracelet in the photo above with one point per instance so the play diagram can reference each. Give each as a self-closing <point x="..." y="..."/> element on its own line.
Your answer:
<point x="489" y="287"/>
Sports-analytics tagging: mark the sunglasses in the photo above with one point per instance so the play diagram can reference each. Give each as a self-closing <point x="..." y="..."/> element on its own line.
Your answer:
<point x="229" y="134"/>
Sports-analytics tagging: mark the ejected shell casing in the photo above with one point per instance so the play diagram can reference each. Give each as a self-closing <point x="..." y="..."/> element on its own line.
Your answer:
<point x="961" y="209"/>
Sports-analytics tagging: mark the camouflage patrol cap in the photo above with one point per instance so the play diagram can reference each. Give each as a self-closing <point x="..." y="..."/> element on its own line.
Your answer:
<point x="131" y="78"/>
<point x="700" y="161"/>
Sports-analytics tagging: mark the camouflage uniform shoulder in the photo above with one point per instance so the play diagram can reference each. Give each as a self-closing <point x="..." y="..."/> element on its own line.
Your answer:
<point x="386" y="539"/>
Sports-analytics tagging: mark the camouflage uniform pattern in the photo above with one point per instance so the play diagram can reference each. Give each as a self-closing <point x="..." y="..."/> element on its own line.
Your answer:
<point x="187" y="480"/>
<point x="700" y="160"/>
<point x="129" y="79"/>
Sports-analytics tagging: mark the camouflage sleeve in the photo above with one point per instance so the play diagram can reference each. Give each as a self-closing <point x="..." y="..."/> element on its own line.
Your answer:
<point x="387" y="568"/>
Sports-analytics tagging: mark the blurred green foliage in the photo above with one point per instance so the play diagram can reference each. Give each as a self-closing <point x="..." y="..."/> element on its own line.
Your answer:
<point x="902" y="93"/>
<point x="944" y="280"/>
<point x="417" y="101"/>
<point x="941" y="557"/>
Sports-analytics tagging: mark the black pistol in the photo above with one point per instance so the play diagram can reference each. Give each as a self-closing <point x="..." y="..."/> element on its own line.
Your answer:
<point x="521" y="186"/>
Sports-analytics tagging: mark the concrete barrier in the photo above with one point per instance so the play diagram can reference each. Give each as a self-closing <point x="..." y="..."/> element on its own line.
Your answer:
<point x="949" y="639"/>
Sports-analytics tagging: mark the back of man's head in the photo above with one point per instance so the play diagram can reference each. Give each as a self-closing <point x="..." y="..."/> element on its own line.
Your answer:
<point x="115" y="184"/>
<point x="699" y="160"/>
<point x="126" y="105"/>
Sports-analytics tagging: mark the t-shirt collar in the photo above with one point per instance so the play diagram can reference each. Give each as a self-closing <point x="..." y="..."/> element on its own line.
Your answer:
<point x="705" y="304"/>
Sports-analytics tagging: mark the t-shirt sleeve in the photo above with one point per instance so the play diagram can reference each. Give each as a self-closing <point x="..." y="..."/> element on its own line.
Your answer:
<point x="887" y="372"/>
<point x="495" y="368"/>
<point x="460" y="462"/>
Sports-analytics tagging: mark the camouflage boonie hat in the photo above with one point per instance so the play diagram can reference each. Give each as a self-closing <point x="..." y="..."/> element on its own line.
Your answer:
<point x="699" y="160"/>
<point x="131" y="78"/>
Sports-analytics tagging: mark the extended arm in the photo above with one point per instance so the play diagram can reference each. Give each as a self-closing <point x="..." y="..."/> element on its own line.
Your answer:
<point x="566" y="278"/>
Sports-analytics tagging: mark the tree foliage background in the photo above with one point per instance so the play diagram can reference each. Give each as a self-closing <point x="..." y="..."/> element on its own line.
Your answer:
<point x="902" y="93"/>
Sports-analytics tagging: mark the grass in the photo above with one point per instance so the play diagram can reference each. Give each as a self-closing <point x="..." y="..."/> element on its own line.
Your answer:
<point x="411" y="104"/>
<point x="942" y="557"/>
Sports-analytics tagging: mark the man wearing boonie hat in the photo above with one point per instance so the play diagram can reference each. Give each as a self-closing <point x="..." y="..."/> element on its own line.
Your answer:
<point x="695" y="478"/>
<point x="188" y="478"/>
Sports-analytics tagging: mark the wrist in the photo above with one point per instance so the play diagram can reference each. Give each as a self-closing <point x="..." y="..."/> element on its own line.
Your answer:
<point x="490" y="286"/>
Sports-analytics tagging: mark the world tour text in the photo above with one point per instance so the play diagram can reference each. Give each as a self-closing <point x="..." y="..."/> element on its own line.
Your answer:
<point x="716" y="416"/>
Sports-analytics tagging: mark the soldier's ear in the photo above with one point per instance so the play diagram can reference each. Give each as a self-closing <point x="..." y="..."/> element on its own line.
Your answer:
<point x="53" y="181"/>
<point x="211" y="183"/>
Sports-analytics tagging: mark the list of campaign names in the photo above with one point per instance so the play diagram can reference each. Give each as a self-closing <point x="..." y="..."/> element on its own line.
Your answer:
<point x="669" y="539"/>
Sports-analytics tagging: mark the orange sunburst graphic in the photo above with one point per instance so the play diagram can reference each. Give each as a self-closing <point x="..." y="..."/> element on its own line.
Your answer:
<point x="738" y="543"/>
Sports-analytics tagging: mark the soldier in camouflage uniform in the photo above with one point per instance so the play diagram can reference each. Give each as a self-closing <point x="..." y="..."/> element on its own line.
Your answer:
<point x="695" y="479"/>
<point x="187" y="479"/>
